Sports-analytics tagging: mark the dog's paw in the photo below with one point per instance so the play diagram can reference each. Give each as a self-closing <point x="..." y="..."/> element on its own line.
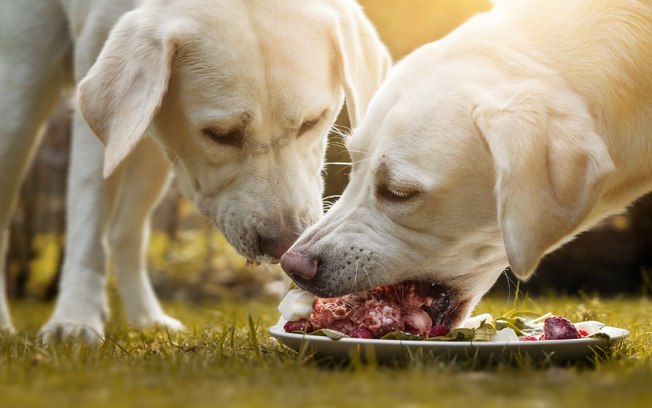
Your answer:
<point x="161" y="320"/>
<point x="59" y="330"/>
<point x="169" y="323"/>
<point x="7" y="329"/>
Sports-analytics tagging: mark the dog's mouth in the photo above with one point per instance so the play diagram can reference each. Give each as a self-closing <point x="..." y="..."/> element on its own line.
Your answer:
<point x="262" y="259"/>
<point x="439" y="301"/>
<point x="413" y="306"/>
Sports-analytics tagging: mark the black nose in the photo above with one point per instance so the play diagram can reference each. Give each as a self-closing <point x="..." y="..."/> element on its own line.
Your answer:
<point x="275" y="247"/>
<point x="300" y="264"/>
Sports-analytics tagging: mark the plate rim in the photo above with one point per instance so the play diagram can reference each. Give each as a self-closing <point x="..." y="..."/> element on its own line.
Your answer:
<point x="277" y="331"/>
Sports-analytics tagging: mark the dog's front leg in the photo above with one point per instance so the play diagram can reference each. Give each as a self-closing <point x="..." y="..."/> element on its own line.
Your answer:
<point x="34" y="49"/>
<point x="5" y="317"/>
<point x="82" y="307"/>
<point x="140" y="180"/>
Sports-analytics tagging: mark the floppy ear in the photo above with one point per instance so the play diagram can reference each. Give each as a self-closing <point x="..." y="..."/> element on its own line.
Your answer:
<point x="123" y="90"/>
<point x="550" y="167"/>
<point x="363" y="60"/>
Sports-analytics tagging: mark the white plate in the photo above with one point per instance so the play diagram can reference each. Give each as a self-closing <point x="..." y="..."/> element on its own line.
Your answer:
<point x="399" y="350"/>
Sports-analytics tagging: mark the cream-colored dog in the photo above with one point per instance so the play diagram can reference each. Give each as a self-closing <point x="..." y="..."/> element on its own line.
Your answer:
<point x="492" y="147"/>
<point x="239" y="95"/>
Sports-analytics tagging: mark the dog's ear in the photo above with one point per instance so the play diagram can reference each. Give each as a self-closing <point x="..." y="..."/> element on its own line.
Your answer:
<point x="550" y="167"/>
<point x="363" y="60"/>
<point x="124" y="88"/>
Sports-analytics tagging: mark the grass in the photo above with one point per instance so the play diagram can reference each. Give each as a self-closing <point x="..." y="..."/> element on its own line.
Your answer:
<point x="227" y="359"/>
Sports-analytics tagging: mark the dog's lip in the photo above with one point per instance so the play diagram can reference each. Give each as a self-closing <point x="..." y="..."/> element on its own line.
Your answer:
<point x="261" y="260"/>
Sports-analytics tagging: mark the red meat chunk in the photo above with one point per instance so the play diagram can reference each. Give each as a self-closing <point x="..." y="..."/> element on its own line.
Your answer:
<point x="559" y="328"/>
<point x="529" y="338"/>
<point x="297" y="325"/>
<point x="438" y="331"/>
<point x="383" y="310"/>
<point x="362" y="333"/>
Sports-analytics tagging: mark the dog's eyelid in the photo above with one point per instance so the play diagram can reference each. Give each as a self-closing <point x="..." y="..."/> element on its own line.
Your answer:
<point x="231" y="137"/>
<point x="311" y="123"/>
<point x="395" y="193"/>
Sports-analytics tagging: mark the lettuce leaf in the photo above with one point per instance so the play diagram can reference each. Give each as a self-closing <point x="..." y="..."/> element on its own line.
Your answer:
<point x="399" y="335"/>
<point x="331" y="334"/>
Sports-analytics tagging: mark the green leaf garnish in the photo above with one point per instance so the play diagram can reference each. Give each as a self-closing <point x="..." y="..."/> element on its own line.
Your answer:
<point x="485" y="332"/>
<point x="399" y="335"/>
<point x="331" y="334"/>
<point x="455" y="335"/>
<point x="514" y="324"/>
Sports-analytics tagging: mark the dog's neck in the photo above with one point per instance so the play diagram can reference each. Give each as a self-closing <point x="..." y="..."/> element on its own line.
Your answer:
<point x="603" y="52"/>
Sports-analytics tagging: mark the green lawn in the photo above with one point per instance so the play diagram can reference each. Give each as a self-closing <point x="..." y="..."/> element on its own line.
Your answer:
<point x="217" y="363"/>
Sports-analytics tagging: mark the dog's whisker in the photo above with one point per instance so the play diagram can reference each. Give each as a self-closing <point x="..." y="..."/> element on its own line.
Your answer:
<point x="509" y="287"/>
<point x="368" y="277"/>
<point x="304" y="223"/>
<point x="332" y="196"/>
<point x="354" y="282"/>
<point x="340" y="131"/>
<point x="339" y="279"/>
<point x="382" y="269"/>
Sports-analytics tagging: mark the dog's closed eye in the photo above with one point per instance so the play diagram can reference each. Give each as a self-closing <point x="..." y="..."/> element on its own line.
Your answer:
<point x="231" y="137"/>
<point x="396" y="193"/>
<point x="312" y="123"/>
<point x="308" y="125"/>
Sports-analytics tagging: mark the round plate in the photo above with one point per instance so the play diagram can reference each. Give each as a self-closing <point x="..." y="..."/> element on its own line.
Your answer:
<point x="398" y="350"/>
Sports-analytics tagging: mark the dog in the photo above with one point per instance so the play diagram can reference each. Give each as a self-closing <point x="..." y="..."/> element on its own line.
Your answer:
<point x="237" y="95"/>
<point x="493" y="146"/>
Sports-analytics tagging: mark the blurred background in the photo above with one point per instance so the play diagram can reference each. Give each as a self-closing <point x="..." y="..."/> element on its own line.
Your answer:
<point x="188" y="260"/>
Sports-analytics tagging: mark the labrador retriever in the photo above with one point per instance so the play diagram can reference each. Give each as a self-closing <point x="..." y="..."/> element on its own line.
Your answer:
<point x="238" y="95"/>
<point x="491" y="147"/>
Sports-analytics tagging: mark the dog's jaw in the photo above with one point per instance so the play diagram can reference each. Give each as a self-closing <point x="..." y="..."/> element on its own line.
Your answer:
<point x="348" y="268"/>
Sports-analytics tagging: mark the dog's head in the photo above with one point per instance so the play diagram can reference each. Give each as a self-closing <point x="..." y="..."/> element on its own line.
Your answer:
<point x="241" y="96"/>
<point x="459" y="169"/>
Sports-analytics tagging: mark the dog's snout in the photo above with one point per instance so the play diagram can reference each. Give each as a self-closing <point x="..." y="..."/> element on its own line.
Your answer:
<point x="299" y="264"/>
<point x="275" y="247"/>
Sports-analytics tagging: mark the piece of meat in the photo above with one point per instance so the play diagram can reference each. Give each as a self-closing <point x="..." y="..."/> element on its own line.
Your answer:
<point x="298" y="325"/>
<point x="559" y="328"/>
<point x="383" y="310"/>
<point x="362" y="333"/>
<point x="529" y="338"/>
<point x="335" y="313"/>
<point x="416" y="321"/>
<point x="438" y="331"/>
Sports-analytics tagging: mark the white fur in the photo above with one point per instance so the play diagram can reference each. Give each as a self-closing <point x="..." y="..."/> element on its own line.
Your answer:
<point x="493" y="146"/>
<point x="176" y="68"/>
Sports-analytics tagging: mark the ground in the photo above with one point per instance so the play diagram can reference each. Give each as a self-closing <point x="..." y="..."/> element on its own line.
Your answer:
<point x="226" y="358"/>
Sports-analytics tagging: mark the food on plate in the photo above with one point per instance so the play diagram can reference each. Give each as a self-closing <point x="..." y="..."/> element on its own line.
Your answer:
<point x="407" y="307"/>
<point x="438" y="331"/>
<point x="301" y="325"/>
<point x="405" y="312"/>
<point x="559" y="328"/>
<point x="296" y="305"/>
